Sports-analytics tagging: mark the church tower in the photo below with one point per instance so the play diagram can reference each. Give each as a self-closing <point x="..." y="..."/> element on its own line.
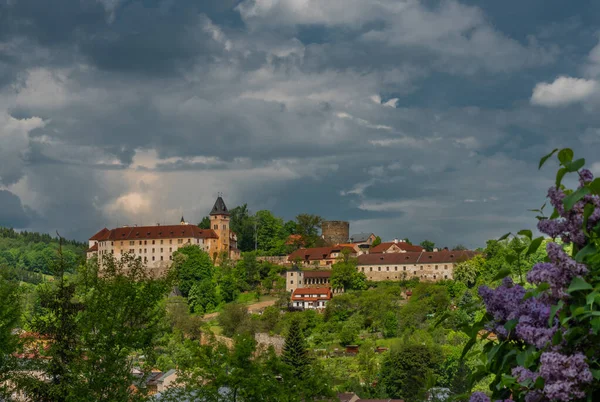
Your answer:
<point x="219" y="220"/>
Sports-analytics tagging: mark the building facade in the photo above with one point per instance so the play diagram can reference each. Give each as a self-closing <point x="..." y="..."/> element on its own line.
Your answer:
<point x="311" y="298"/>
<point x="298" y="279"/>
<point x="319" y="256"/>
<point x="427" y="266"/>
<point x="396" y="246"/>
<point x="155" y="245"/>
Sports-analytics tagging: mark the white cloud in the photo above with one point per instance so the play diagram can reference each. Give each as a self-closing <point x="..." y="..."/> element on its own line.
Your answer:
<point x="14" y="140"/>
<point x="563" y="91"/>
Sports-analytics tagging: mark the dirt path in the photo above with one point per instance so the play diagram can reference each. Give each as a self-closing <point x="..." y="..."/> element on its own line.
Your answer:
<point x="252" y="308"/>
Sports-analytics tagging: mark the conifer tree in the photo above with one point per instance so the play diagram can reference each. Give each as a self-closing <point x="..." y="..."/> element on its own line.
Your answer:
<point x="295" y="353"/>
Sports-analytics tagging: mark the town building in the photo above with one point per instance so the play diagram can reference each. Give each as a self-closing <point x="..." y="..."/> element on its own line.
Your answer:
<point x="311" y="298"/>
<point x="156" y="244"/>
<point x="319" y="256"/>
<point x="396" y="246"/>
<point x="362" y="240"/>
<point x="428" y="266"/>
<point x="296" y="278"/>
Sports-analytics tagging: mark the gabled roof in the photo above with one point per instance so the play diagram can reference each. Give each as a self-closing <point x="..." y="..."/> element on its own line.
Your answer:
<point x="360" y="237"/>
<point x="93" y="248"/>
<point x="100" y="234"/>
<point x="380" y="248"/>
<point x="424" y="257"/>
<point x="312" y="294"/>
<point x="219" y="208"/>
<point x="157" y="232"/>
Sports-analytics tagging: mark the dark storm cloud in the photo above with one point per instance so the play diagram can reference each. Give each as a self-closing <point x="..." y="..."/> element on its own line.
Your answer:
<point x="12" y="213"/>
<point x="409" y="119"/>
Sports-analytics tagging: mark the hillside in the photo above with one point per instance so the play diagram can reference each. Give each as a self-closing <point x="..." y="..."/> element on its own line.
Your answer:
<point x="23" y="254"/>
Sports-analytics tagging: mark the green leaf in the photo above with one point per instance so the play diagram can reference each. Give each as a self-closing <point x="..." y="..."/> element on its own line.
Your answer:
<point x="510" y="258"/>
<point x="559" y="176"/>
<point x="584" y="252"/>
<point x="553" y="311"/>
<point x="555" y="214"/>
<point x="595" y="374"/>
<point x="575" y="165"/>
<point x="565" y="156"/>
<point x="588" y="210"/>
<point x="545" y="158"/>
<point x="535" y="244"/>
<point x="578" y="283"/>
<point x="526" y="233"/>
<point x="572" y="198"/>
<point x="595" y="322"/>
<point x="503" y="273"/>
<point x="591" y="298"/>
<point x="504" y="237"/>
<point x="595" y="186"/>
<point x="510" y="325"/>
<point x="556" y="338"/>
<point x="468" y="347"/>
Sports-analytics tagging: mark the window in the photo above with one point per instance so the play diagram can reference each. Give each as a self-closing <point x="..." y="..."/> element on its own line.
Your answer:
<point x="189" y="241"/>
<point x="299" y="282"/>
<point x="404" y="268"/>
<point x="161" y="249"/>
<point x="130" y="251"/>
<point x="140" y="242"/>
<point x="216" y="227"/>
<point x="179" y="241"/>
<point x="224" y="227"/>
<point x="445" y="276"/>
<point x="140" y="251"/>
<point x="421" y="267"/>
<point x="112" y="243"/>
<point x="161" y="242"/>
<point x="434" y="277"/>
<point x="161" y="257"/>
<point x="445" y="267"/>
<point x="153" y="250"/>
<point x="363" y="269"/>
<point x="414" y="273"/>
<point x="371" y="269"/>
<point x="395" y="268"/>
<point x="379" y="268"/>
<point x="170" y="241"/>
<point x="145" y="259"/>
<point x="145" y="242"/>
<point x="131" y="242"/>
<point x="170" y="249"/>
<point x="436" y="267"/>
<point x="152" y="241"/>
<point x="291" y="274"/>
<point x="121" y="243"/>
<point x="170" y="257"/>
<point x="152" y="258"/>
<point x="145" y="250"/>
<point x="291" y="282"/>
<point x="387" y="268"/>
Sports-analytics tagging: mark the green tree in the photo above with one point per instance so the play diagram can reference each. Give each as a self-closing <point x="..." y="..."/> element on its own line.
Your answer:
<point x="344" y="274"/>
<point x="10" y="309"/>
<point x="295" y="353"/>
<point x="203" y="297"/>
<point x="191" y="265"/>
<point x="228" y="287"/>
<point x="405" y="371"/>
<point x="270" y="233"/>
<point x="469" y="272"/>
<point x="459" y="247"/>
<point x="428" y="245"/>
<point x="242" y="223"/>
<point x="204" y="223"/>
<point x="233" y="319"/>
<point x="308" y="226"/>
<point x="376" y="242"/>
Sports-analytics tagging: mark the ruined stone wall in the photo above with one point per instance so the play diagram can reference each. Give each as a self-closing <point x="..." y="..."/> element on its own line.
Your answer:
<point x="264" y="340"/>
<point x="335" y="232"/>
<point x="393" y="272"/>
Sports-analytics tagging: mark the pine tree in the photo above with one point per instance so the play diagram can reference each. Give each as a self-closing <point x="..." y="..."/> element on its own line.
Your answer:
<point x="295" y="353"/>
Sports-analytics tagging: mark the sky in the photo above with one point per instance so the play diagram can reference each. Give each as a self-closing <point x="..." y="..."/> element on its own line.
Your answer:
<point x="419" y="119"/>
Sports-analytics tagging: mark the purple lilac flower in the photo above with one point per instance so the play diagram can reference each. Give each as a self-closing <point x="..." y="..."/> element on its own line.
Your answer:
<point x="533" y="323"/>
<point x="523" y="374"/>
<point x="585" y="176"/>
<point x="564" y="376"/>
<point x="479" y="397"/>
<point x="558" y="273"/>
<point x="503" y="303"/>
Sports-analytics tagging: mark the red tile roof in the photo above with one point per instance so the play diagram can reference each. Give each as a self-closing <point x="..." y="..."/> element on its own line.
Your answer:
<point x="317" y="253"/>
<point x="415" y="258"/>
<point x="380" y="248"/>
<point x="100" y="234"/>
<point x="316" y="274"/>
<point x="307" y="294"/>
<point x="93" y="248"/>
<point x="157" y="232"/>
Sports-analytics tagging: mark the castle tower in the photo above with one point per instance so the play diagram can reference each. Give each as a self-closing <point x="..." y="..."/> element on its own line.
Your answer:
<point x="219" y="220"/>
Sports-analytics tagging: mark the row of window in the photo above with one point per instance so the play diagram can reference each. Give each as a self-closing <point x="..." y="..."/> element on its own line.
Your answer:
<point x="145" y="242"/>
<point x="396" y="268"/>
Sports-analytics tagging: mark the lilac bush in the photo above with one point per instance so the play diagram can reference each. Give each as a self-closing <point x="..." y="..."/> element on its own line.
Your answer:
<point x="546" y="343"/>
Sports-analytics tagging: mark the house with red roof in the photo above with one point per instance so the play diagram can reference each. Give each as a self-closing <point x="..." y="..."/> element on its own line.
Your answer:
<point x="311" y="298"/>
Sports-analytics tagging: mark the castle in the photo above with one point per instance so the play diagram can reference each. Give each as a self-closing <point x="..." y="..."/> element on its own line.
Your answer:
<point x="156" y="244"/>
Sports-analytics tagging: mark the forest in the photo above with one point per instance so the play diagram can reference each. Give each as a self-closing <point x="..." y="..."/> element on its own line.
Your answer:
<point x="519" y="322"/>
